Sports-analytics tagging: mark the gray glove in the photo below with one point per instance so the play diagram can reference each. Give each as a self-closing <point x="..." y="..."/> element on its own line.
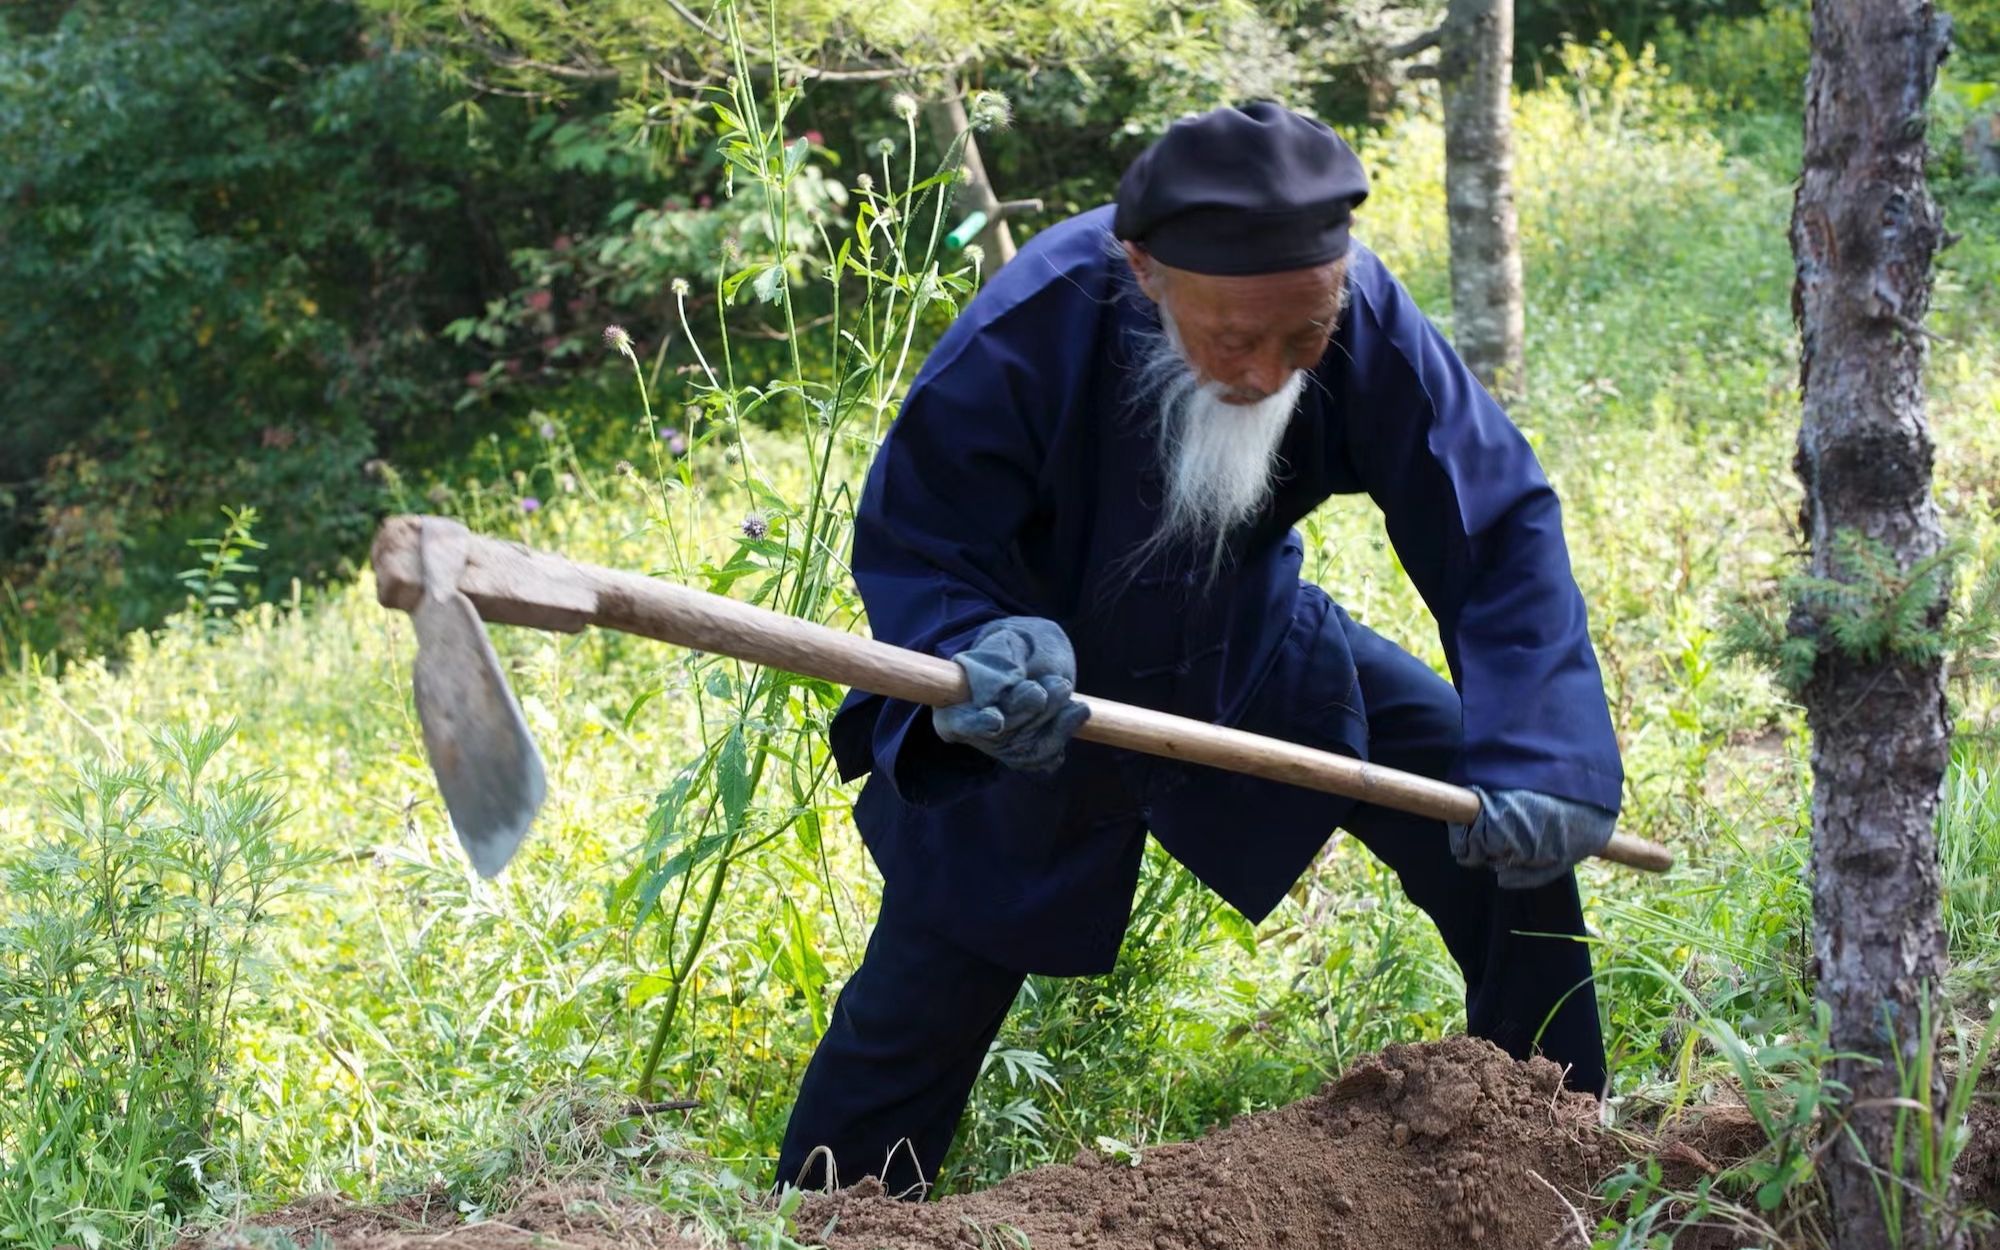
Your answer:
<point x="1529" y="839"/>
<point x="1022" y="671"/>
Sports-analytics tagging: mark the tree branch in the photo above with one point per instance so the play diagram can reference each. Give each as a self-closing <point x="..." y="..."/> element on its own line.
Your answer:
<point x="1413" y="47"/>
<point x="696" y="22"/>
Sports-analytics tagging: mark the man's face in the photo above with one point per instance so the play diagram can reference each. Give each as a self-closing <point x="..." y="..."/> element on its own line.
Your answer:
<point x="1249" y="333"/>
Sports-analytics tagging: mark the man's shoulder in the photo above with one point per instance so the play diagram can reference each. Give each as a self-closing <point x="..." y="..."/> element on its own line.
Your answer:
<point x="1071" y="259"/>
<point x="1053" y="293"/>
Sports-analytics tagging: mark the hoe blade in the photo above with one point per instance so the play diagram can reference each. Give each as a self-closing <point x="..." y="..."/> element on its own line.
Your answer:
<point x="486" y="764"/>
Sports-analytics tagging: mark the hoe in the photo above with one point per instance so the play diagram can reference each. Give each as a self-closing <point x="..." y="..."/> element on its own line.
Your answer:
<point x="452" y="582"/>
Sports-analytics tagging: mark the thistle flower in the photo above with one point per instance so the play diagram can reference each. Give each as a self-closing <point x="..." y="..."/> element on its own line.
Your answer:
<point x="905" y="105"/>
<point x="755" y="526"/>
<point x="531" y="504"/>
<point x="989" y="110"/>
<point x="676" y="442"/>
<point x="616" y="339"/>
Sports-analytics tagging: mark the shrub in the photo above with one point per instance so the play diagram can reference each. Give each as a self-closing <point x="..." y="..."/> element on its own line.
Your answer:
<point x="128" y="938"/>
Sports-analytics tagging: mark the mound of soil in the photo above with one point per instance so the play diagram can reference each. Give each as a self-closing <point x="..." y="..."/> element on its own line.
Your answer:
<point x="573" y="1217"/>
<point x="1446" y="1144"/>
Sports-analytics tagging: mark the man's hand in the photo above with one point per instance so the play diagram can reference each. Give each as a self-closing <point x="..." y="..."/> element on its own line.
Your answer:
<point x="1022" y="672"/>
<point x="1528" y="838"/>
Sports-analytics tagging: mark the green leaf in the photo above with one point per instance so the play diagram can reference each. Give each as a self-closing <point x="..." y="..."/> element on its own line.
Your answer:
<point x="795" y="156"/>
<point x="770" y="284"/>
<point x="735" y="280"/>
<point x="732" y="778"/>
<point x="645" y="697"/>
<point x="717" y="682"/>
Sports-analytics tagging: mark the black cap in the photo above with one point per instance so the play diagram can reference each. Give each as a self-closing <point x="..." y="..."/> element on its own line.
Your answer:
<point x="1256" y="189"/>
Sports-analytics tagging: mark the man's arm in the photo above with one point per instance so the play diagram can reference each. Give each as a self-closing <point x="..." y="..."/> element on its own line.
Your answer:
<point x="1479" y="529"/>
<point x="950" y="488"/>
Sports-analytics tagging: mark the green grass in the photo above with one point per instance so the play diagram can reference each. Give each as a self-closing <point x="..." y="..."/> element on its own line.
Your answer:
<point x="410" y="1024"/>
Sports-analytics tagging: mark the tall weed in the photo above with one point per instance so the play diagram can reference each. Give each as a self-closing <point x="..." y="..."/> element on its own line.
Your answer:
<point x="129" y="942"/>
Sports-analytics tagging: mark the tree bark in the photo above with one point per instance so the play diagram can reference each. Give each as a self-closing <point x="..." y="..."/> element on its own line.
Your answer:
<point x="948" y="121"/>
<point x="1476" y="69"/>
<point x="1864" y="229"/>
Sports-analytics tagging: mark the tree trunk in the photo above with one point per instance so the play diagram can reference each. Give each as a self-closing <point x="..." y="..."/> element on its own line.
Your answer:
<point x="1863" y="233"/>
<point x="1476" y="70"/>
<point x="948" y="121"/>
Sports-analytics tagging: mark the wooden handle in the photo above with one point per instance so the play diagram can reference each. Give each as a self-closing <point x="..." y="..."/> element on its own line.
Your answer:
<point x="514" y="585"/>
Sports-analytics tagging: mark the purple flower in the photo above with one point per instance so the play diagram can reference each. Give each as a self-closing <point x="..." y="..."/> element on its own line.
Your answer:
<point x="530" y="504"/>
<point x="548" y="431"/>
<point x="755" y="526"/>
<point x="676" y="442"/>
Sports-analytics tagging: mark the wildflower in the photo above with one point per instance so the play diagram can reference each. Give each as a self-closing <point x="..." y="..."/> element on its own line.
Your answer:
<point x="755" y="526"/>
<point x="680" y="288"/>
<point x="975" y="254"/>
<point x="815" y="138"/>
<point x="864" y="182"/>
<point x="547" y="431"/>
<point x="989" y="110"/>
<point x="676" y="442"/>
<point x="625" y="468"/>
<point x="905" y="105"/>
<point x="616" y="339"/>
<point x="531" y="504"/>
<point x="567" y="481"/>
<point x="705" y="201"/>
<point x="539" y="301"/>
<point x="884" y="147"/>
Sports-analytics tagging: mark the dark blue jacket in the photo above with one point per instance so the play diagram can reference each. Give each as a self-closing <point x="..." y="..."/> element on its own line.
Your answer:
<point x="1016" y="479"/>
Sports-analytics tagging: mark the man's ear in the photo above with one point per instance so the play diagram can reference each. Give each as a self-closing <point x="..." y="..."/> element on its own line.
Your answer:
<point x="1145" y="269"/>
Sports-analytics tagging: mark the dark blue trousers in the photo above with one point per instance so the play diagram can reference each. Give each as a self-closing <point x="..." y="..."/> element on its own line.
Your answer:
<point x="884" y="1091"/>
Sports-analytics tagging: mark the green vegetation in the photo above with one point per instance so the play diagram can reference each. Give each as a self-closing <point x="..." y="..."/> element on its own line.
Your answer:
<point x="241" y="957"/>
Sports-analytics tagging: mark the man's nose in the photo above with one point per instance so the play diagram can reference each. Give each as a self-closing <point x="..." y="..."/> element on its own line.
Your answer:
<point x="1265" y="374"/>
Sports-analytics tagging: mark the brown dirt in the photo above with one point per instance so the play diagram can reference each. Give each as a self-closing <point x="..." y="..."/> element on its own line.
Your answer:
<point x="1447" y="1145"/>
<point x="1979" y="1166"/>
<point x="572" y="1217"/>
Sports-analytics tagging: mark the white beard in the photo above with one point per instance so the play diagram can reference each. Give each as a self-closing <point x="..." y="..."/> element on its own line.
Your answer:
<point x="1219" y="459"/>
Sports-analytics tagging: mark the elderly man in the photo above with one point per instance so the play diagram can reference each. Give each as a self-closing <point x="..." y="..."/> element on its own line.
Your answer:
<point x="1094" y="480"/>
